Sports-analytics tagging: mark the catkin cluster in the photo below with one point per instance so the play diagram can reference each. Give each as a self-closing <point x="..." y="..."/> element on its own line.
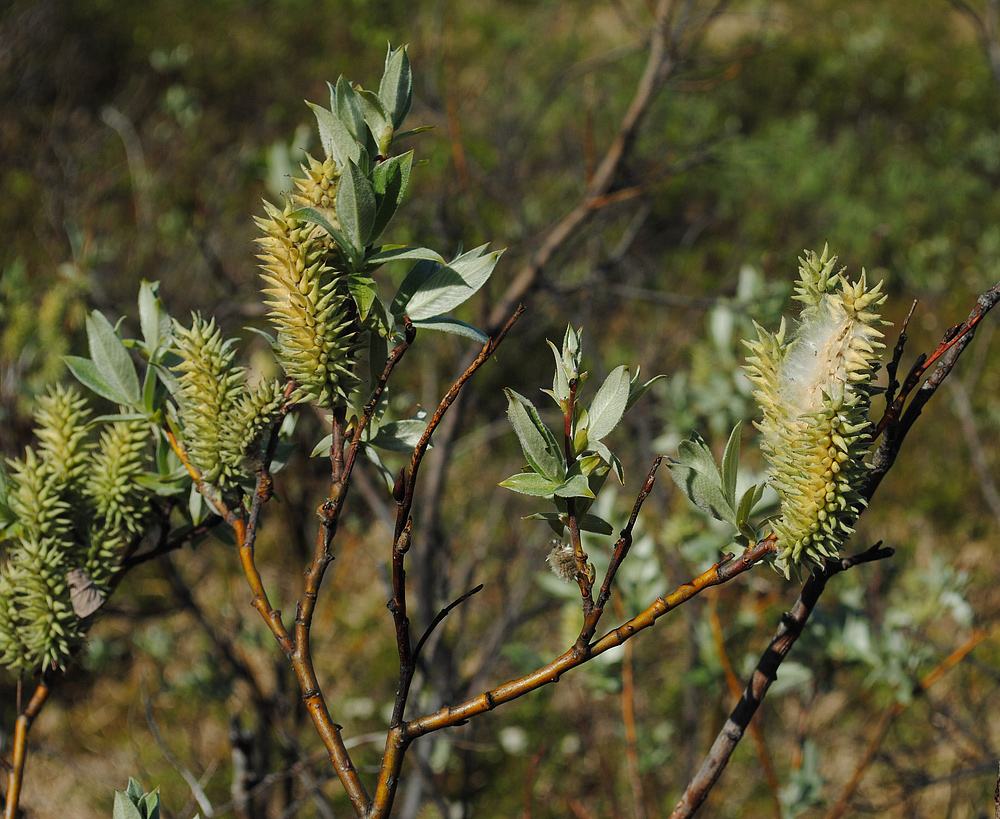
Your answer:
<point x="223" y="421"/>
<point x="75" y="507"/>
<point x="815" y="390"/>
<point x="307" y="290"/>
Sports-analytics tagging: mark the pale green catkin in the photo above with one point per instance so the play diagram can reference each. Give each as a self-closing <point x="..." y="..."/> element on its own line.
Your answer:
<point x="815" y="390"/>
<point x="309" y="302"/>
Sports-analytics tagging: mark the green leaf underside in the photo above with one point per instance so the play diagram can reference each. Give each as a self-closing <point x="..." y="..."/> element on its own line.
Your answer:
<point x="112" y="359"/>
<point x="731" y="463"/>
<point x="432" y="289"/>
<point x="337" y="141"/>
<point x="531" y="483"/>
<point x="588" y="523"/>
<point x="537" y="441"/>
<point x="317" y="218"/>
<point x="85" y="371"/>
<point x="608" y="406"/>
<point x="443" y="324"/>
<point x="356" y="206"/>
<point x="398" y="436"/>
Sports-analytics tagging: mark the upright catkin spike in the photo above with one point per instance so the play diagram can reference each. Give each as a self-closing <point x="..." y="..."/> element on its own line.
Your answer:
<point x="306" y="286"/>
<point x="815" y="390"/>
<point x="208" y="385"/>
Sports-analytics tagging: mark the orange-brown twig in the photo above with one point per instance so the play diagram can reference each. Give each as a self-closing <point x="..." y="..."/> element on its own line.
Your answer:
<point x="718" y="574"/>
<point x="16" y="778"/>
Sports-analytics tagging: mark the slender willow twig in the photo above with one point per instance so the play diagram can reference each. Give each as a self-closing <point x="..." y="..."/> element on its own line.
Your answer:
<point x="618" y="555"/>
<point x="788" y="632"/>
<point x="16" y="778"/>
<point x="396" y="741"/>
<point x="402" y="735"/>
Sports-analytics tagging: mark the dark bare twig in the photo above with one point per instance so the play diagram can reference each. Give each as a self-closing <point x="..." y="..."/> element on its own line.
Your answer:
<point x="788" y="632"/>
<point x="441" y="615"/>
<point x="899" y="418"/>
<point x="618" y="555"/>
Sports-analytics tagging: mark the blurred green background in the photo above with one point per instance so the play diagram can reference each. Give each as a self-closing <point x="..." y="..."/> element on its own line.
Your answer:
<point x="136" y="142"/>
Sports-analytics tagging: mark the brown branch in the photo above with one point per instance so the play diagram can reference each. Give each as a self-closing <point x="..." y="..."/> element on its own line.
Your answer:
<point x="440" y="617"/>
<point x="720" y="573"/>
<point x="15" y="780"/>
<point x="400" y="736"/>
<point x="788" y="632"/>
<point x="618" y="555"/>
<point x="397" y="740"/>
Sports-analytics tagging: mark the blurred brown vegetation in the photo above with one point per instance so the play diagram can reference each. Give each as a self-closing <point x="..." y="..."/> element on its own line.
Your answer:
<point x="136" y="141"/>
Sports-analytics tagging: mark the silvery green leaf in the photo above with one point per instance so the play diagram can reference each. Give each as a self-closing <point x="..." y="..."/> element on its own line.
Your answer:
<point x="154" y="321"/>
<point x="695" y="453"/>
<point x="134" y="789"/>
<point x="396" y="87"/>
<point x="575" y="487"/>
<point x="531" y="483"/>
<point x="399" y="136"/>
<point x="112" y="359"/>
<point x="697" y="475"/>
<point x="85" y="371"/>
<point x="379" y="125"/>
<point x="560" y="378"/>
<point x="537" y="441"/>
<point x="748" y="501"/>
<point x="637" y="390"/>
<point x="323" y="447"/>
<point x="196" y="506"/>
<point x="399" y="253"/>
<point x="608" y="406"/>
<point x="383" y="470"/>
<point x="399" y="436"/>
<point x="571" y="348"/>
<point x="390" y="179"/>
<point x="731" y="463"/>
<point x="364" y="291"/>
<point x="337" y="141"/>
<point x="124" y="808"/>
<point x="703" y="490"/>
<point x="611" y="460"/>
<point x="149" y="383"/>
<point x="356" y="206"/>
<point x="317" y="218"/>
<point x="444" y="324"/>
<point x="348" y="108"/>
<point x="587" y="523"/>
<point x="452" y="284"/>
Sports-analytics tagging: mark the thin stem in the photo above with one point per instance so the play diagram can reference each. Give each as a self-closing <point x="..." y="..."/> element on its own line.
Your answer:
<point x="15" y="781"/>
<point x="788" y="632"/>
<point x="550" y="673"/>
<point x="618" y="555"/>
